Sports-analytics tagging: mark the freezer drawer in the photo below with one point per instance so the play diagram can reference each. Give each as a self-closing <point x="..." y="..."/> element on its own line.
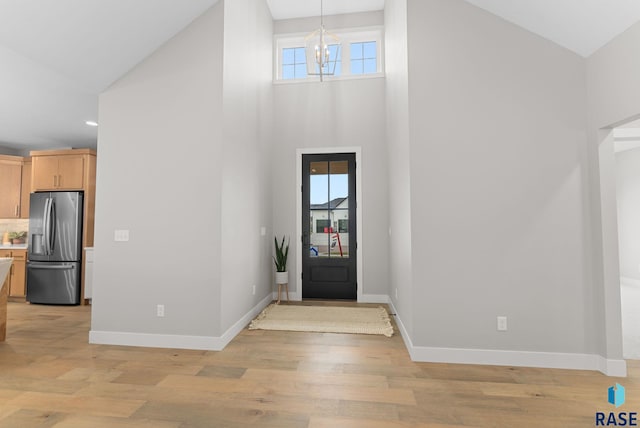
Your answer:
<point x="53" y="283"/>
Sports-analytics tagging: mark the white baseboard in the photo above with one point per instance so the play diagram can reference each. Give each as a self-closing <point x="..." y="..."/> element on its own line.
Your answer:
<point x="205" y="343"/>
<point x="491" y="357"/>
<point x="616" y="368"/>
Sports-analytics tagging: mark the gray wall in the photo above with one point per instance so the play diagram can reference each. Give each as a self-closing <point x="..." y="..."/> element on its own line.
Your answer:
<point x="246" y="183"/>
<point x="614" y="98"/>
<point x="500" y="216"/>
<point x="399" y="154"/>
<point x="335" y="114"/>
<point x="342" y="113"/>
<point x="306" y="25"/>
<point x="500" y="199"/>
<point x="159" y="176"/>
<point x="628" y="196"/>
<point x="183" y="165"/>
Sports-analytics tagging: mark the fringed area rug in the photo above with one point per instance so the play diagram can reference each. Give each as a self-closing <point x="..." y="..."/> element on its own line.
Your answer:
<point x="324" y="319"/>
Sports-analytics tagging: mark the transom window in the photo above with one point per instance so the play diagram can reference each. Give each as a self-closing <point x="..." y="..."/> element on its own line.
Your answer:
<point x="294" y="63"/>
<point x="364" y="58"/>
<point x="359" y="55"/>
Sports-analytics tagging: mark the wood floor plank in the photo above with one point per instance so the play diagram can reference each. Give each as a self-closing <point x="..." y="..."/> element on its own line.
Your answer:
<point x="82" y="421"/>
<point x="50" y="376"/>
<point x="65" y="403"/>
<point x="320" y="422"/>
<point x="27" y="418"/>
<point x="340" y="379"/>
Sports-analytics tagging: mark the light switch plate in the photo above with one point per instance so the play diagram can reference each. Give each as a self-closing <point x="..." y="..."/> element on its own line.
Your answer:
<point x="121" y="235"/>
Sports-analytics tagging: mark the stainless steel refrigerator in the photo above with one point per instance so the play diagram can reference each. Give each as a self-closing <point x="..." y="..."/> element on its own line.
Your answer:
<point x="55" y="248"/>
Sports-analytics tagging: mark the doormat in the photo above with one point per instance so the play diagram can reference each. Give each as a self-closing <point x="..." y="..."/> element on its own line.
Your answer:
<point x="324" y="319"/>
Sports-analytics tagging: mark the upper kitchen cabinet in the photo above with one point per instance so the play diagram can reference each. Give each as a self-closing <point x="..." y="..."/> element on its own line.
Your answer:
<point x="57" y="171"/>
<point x="62" y="169"/>
<point x="10" y="183"/>
<point x="72" y="169"/>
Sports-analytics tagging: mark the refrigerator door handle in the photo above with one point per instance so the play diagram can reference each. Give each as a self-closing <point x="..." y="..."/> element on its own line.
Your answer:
<point x="52" y="226"/>
<point x="45" y="226"/>
<point x="31" y="266"/>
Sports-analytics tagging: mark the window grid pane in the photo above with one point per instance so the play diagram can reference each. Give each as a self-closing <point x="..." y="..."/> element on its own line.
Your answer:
<point x="357" y="51"/>
<point x="293" y="63"/>
<point x="364" y="58"/>
<point x="370" y="66"/>
<point x="369" y="50"/>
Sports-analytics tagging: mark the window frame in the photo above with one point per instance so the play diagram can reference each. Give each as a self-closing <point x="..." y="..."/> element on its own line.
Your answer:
<point x="346" y="36"/>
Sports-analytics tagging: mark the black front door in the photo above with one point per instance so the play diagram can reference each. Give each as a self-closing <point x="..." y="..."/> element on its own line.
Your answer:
<point x="329" y="226"/>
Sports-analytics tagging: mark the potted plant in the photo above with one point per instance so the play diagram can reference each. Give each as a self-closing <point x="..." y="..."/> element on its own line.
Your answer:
<point x="280" y="260"/>
<point x="17" y="237"/>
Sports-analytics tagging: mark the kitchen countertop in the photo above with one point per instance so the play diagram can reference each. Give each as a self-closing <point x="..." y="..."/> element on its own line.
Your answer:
<point x="13" y="247"/>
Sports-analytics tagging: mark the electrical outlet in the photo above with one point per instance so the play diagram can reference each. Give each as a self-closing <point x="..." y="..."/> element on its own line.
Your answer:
<point x="160" y="310"/>
<point x="263" y="231"/>
<point x="396" y="292"/>
<point x="254" y="290"/>
<point x="502" y="323"/>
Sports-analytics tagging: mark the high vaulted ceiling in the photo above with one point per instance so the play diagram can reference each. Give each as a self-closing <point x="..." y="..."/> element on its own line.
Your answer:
<point x="57" y="56"/>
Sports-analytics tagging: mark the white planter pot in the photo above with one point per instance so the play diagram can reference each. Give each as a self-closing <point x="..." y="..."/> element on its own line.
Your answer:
<point x="282" y="277"/>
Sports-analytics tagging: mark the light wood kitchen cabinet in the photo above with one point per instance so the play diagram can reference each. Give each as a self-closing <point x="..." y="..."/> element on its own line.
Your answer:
<point x="10" y="183"/>
<point x="16" y="280"/>
<point x="57" y="172"/>
<point x="25" y="192"/>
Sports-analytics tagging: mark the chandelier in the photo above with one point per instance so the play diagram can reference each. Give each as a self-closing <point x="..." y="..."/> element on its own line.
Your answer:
<point x="322" y="50"/>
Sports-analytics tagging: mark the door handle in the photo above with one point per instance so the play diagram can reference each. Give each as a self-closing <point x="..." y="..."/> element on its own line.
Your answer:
<point x="47" y="227"/>
<point x="69" y="267"/>
<point x="52" y="225"/>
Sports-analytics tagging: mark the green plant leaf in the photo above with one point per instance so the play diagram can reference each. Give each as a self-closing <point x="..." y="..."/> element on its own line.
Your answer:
<point x="282" y="253"/>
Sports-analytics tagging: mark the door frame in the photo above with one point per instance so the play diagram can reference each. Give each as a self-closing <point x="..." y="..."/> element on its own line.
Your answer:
<point x="324" y="150"/>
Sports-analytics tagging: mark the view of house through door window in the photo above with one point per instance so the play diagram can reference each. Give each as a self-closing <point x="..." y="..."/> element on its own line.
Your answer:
<point x="329" y="209"/>
<point x="329" y="265"/>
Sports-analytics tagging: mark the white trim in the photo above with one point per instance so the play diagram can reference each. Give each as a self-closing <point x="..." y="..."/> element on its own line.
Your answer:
<point x="346" y="36"/>
<point x="174" y="341"/>
<point x="609" y="288"/>
<point x="616" y="368"/>
<point x="629" y="281"/>
<point x="403" y="331"/>
<point x="310" y="151"/>
<point x="329" y="79"/>
<point x="492" y="357"/>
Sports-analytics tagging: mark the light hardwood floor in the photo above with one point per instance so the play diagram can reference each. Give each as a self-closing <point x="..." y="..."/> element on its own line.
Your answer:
<point x="51" y="377"/>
